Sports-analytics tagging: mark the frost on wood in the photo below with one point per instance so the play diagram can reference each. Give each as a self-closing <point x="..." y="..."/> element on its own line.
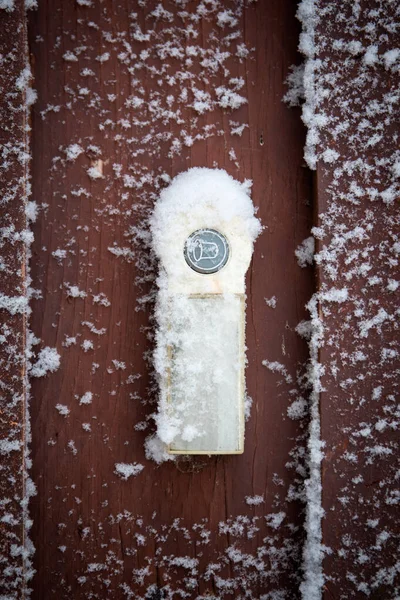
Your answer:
<point x="136" y="90"/>
<point x="63" y="409"/>
<point x="48" y="361"/>
<point x="86" y="398"/>
<point x="351" y="108"/>
<point x="126" y="470"/>
<point x="305" y="252"/>
<point x="295" y="83"/>
<point x="15" y="238"/>
<point x="254" y="500"/>
<point x="229" y="570"/>
<point x="7" y="5"/>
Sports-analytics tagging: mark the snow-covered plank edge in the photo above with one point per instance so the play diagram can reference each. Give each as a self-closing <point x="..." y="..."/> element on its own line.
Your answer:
<point x="351" y="98"/>
<point x="15" y="211"/>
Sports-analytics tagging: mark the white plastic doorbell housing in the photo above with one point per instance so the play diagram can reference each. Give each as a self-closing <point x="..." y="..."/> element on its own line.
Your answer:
<point x="203" y="230"/>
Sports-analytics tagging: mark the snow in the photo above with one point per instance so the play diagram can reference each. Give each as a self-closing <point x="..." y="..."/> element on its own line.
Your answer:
<point x="93" y="328"/>
<point x="392" y="285"/>
<point x="277" y="367"/>
<point x="14" y="304"/>
<point x="101" y="299"/>
<point x="95" y="172"/>
<point x="48" y="361"/>
<point x="73" y="291"/>
<point x="275" y="520"/>
<point x="377" y="320"/>
<point x="17" y="213"/>
<point x="103" y="57"/>
<point x="237" y="128"/>
<point x="22" y="82"/>
<point x="7" y="446"/>
<point x="126" y="470"/>
<point x="70" y="57"/>
<point x="87" y="345"/>
<point x="295" y="84"/>
<point x="86" y="398"/>
<point x="391" y="57"/>
<point x="69" y="341"/>
<point x="346" y="259"/>
<point x="226" y="17"/>
<point x="229" y="99"/>
<point x="63" y="409"/>
<point x="119" y="365"/>
<point x="31" y="211"/>
<point x="298" y="409"/>
<point x="254" y="500"/>
<point x="350" y="90"/>
<point x="155" y="449"/>
<point x="271" y="302"/>
<point x="7" y="5"/>
<point x="198" y="198"/>
<point x="305" y="252"/>
<point x="73" y="151"/>
<point x="72" y="447"/>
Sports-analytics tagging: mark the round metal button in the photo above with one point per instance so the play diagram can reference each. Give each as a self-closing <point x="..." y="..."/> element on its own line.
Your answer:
<point x="206" y="251"/>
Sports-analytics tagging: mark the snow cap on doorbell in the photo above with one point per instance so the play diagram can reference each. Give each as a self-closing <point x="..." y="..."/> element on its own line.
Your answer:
<point x="203" y="230"/>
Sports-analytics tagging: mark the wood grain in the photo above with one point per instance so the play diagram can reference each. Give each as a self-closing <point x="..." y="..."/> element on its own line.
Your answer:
<point x="359" y="226"/>
<point x="157" y="534"/>
<point x="14" y="160"/>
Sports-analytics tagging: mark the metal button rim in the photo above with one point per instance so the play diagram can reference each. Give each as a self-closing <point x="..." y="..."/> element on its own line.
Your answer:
<point x="215" y="269"/>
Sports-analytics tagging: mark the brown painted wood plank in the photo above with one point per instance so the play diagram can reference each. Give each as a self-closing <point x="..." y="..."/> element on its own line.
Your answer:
<point x="358" y="253"/>
<point x="176" y="530"/>
<point x="14" y="430"/>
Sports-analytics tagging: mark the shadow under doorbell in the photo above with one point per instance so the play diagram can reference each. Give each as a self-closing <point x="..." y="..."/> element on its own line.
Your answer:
<point x="203" y="230"/>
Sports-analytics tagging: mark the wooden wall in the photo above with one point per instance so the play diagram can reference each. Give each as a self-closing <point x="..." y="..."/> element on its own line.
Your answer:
<point x="129" y="95"/>
<point x="94" y="533"/>
<point x="14" y="182"/>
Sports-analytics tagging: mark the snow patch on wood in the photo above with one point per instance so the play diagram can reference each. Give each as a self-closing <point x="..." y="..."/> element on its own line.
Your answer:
<point x="351" y="107"/>
<point x="126" y="470"/>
